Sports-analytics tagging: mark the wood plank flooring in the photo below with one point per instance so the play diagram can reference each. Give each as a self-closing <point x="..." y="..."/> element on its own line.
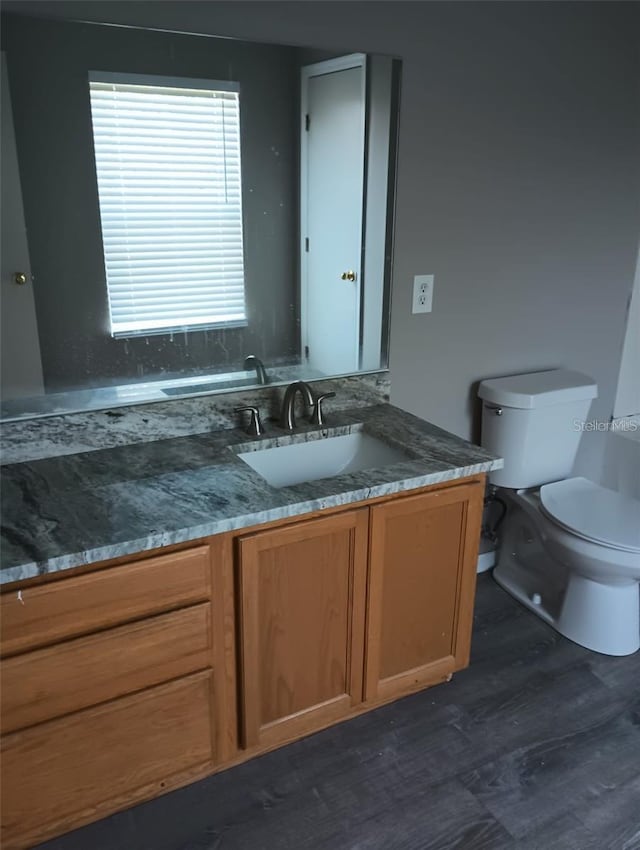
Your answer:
<point x="535" y="747"/>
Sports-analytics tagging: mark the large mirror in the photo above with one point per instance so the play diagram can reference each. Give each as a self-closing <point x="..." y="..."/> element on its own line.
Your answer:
<point x="186" y="214"/>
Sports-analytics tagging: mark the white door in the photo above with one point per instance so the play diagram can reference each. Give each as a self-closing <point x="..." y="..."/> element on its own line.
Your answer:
<point x="332" y="178"/>
<point x="20" y="352"/>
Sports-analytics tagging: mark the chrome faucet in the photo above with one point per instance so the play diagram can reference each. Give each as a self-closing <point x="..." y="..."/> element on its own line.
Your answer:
<point x="287" y="417"/>
<point x="253" y="362"/>
<point x="255" y="427"/>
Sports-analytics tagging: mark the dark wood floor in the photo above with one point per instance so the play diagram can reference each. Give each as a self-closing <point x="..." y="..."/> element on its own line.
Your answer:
<point x="535" y="747"/>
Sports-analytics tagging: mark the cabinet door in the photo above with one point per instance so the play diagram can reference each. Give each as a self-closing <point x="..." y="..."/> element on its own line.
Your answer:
<point x="302" y="591"/>
<point x="421" y="588"/>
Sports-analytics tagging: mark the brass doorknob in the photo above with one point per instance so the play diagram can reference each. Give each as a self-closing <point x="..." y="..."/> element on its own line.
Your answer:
<point x="20" y="278"/>
<point x="350" y="275"/>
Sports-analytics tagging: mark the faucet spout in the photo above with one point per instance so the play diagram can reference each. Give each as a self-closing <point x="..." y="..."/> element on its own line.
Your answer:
<point x="253" y="362"/>
<point x="287" y="418"/>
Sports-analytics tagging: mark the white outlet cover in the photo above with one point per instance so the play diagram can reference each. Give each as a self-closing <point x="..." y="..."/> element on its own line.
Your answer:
<point x="422" y="301"/>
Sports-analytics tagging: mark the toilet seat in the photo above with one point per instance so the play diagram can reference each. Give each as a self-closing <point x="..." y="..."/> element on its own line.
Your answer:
<point x="594" y="513"/>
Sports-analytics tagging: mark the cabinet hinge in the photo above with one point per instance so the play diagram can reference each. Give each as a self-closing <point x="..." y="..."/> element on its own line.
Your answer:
<point x="307" y="122"/>
<point x="306" y="244"/>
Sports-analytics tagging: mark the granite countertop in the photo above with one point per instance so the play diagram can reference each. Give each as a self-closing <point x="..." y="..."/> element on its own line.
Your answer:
<point x="63" y="512"/>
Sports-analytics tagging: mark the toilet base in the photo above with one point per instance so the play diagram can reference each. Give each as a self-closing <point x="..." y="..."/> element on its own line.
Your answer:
<point x="601" y="617"/>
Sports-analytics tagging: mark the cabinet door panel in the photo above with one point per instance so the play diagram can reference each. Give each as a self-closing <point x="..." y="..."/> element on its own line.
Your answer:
<point x="421" y="585"/>
<point x="79" y="768"/>
<point x="303" y="591"/>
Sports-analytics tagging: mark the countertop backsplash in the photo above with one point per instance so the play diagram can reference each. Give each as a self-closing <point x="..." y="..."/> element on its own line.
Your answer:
<point x="74" y="433"/>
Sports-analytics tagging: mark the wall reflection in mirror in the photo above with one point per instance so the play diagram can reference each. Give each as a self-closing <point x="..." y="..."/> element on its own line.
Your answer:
<point x="186" y="210"/>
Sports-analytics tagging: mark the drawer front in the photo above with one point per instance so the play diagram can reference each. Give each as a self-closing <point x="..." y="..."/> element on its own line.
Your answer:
<point x="73" y="675"/>
<point x="83" y="604"/>
<point x="80" y="768"/>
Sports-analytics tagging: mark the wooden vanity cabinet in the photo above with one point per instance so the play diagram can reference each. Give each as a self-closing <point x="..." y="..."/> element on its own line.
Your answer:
<point x="108" y="691"/>
<point x="341" y="612"/>
<point x="302" y="606"/>
<point x="140" y="676"/>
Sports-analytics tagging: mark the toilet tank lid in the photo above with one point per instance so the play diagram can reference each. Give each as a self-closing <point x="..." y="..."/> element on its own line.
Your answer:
<point x="538" y="389"/>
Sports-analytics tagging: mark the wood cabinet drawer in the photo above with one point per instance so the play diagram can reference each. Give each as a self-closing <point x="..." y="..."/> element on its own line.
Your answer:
<point x="82" y="604"/>
<point x="70" y="676"/>
<point x="79" y="768"/>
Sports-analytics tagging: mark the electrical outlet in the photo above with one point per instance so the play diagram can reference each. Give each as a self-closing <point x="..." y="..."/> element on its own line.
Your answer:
<point x="422" y="293"/>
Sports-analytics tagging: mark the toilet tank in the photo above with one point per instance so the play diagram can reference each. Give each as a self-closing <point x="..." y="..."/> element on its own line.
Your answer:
<point x="534" y="421"/>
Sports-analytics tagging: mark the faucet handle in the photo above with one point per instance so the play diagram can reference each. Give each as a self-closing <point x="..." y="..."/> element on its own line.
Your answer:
<point x="316" y="415"/>
<point x="255" y="427"/>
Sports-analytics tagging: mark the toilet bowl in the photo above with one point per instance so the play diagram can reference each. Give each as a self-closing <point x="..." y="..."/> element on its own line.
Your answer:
<point x="569" y="549"/>
<point x="586" y="588"/>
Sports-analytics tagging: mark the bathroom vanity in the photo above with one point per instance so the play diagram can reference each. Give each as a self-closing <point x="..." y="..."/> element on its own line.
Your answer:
<point x="178" y="599"/>
<point x="179" y="614"/>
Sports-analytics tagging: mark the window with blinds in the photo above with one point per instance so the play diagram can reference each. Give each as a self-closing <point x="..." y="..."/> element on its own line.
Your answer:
<point x="169" y="184"/>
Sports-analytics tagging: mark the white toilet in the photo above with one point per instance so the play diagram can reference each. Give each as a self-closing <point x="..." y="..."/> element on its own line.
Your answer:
<point x="569" y="549"/>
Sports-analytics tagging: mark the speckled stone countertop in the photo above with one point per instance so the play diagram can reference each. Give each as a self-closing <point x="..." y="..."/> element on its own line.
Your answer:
<point x="91" y="430"/>
<point x="63" y="512"/>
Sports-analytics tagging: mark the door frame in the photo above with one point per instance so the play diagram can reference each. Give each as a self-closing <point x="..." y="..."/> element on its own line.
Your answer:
<point x="319" y="69"/>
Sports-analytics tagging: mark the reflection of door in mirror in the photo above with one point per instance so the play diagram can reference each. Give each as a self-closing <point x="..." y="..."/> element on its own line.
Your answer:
<point x="20" y="355"/>
<point x="347" y="165"/>
<point x="332" y="178"/>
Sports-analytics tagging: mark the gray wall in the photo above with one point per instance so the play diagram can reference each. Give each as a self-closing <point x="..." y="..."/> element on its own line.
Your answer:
<point x="518" y="182"/>
<point x="53" y="129"/>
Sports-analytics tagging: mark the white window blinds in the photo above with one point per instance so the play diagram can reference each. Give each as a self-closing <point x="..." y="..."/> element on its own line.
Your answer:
<point x="169" y="184"/>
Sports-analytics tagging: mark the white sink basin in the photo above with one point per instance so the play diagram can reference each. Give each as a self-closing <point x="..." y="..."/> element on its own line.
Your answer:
<point x="324" y="458"/>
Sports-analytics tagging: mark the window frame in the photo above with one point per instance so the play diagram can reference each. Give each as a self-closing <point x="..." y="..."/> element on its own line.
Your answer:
<point x="163" y="81"/>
